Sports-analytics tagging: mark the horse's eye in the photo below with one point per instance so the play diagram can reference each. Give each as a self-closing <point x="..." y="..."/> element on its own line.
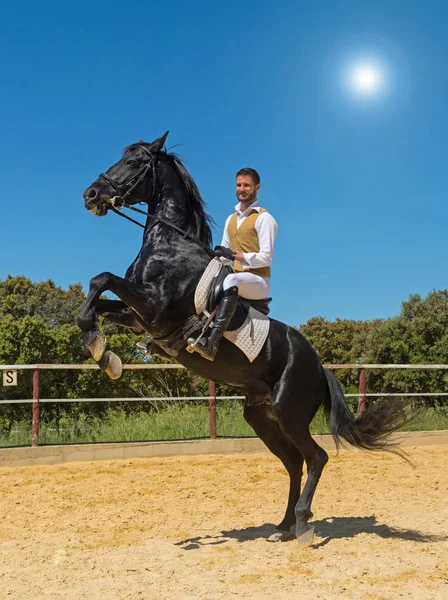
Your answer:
<point x="132" y="163"/>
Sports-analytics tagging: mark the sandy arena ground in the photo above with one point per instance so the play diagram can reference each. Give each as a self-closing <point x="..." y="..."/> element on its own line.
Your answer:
<point x="195" y="527"/>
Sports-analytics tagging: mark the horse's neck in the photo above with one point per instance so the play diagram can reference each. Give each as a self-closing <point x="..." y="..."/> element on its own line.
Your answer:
<point x="170" y="247"/>
<point x="173" y="206"/>
<point x="171" y="201"/>
<point x="166" y="256"/>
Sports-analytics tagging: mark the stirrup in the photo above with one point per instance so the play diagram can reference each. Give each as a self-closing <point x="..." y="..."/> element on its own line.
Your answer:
<point x="192" y="342"/>
<point x="195" y="346"/>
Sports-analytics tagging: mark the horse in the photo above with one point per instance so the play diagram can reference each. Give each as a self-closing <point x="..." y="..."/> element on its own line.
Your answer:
<point x="283" y="387"/>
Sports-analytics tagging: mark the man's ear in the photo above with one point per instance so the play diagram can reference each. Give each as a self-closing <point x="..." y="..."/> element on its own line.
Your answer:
<point x="257" y="187"/>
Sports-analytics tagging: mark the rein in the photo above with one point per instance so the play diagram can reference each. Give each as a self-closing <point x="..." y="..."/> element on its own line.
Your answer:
<point x="118" y="202"/>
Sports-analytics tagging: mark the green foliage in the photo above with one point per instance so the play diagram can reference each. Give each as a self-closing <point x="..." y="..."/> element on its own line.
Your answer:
<point x="20" y="297"/>
<point x="419" y="335"/>
<point x="339" y="342"/>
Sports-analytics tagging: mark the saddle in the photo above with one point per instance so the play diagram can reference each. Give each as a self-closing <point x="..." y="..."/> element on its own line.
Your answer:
<point x="246" y="330"/>
<point x="244" y="304"/>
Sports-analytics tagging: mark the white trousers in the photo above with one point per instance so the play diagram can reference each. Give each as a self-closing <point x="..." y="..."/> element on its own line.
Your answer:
<point x="250" y="286"/>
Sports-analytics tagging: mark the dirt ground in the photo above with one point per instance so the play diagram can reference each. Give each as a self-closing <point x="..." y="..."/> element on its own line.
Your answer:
<point x="196" y="527"/>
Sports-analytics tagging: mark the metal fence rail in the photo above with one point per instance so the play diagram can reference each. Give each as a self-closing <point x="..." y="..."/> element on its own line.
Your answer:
<point x="36" y="401"/>
<point x="139" y="399"/>
<point x="198" y="398"/>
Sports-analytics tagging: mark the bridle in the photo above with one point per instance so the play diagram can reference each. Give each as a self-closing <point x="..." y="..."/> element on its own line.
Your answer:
<point x="132" y="182"/>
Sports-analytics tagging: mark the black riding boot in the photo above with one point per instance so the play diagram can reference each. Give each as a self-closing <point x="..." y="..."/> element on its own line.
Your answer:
<point x="208" y="346"/>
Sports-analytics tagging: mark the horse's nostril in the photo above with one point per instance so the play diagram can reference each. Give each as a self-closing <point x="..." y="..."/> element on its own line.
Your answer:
<point x="91" y="194"/>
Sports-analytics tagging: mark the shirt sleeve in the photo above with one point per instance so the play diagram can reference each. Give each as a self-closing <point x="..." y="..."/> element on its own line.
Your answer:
<point x="266" y="228"/>
<point x="226" y="240"/>
<point x="225" y="236"/>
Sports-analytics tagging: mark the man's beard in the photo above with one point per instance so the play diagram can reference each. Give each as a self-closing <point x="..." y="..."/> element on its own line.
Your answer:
<point x="247" y="199"/>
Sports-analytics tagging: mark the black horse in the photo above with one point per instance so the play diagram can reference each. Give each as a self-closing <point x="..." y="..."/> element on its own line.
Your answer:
<point x="284" y="386"/>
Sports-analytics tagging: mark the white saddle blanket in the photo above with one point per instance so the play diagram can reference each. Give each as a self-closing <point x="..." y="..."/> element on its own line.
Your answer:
<point x="201" y="294"/>
<point x="252" y="334"/>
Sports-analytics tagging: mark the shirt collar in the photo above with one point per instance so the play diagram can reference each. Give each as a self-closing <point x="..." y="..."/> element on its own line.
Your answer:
<point x="254" y="206"/>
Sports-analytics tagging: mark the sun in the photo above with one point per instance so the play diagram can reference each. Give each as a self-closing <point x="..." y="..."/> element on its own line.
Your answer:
<point x="366" y="79"/>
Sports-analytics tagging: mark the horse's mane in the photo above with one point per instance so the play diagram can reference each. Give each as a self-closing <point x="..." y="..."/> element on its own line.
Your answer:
<point x="196" y="217"/>
<point x="200" y="218"/>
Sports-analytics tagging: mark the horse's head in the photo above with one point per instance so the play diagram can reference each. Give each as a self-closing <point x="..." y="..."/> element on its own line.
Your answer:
<point x="130" y="180"/>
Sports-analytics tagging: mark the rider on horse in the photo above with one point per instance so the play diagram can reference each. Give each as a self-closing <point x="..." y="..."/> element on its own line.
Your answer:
<point x="248" y="242"/>
<point x="286" y="384"/>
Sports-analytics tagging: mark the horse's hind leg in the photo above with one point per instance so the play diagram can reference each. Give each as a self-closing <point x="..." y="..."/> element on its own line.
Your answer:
<point x="264" y="422"/>
<point x="295" y="408"/>
<point x="316" y="458"/>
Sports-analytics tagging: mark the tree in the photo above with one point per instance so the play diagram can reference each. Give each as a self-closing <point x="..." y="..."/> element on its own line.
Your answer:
<point x="342" y="341"/>
<point x="419" y="335"/>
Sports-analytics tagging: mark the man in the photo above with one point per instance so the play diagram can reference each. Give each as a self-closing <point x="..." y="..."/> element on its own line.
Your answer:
<point x="248" y="242"/>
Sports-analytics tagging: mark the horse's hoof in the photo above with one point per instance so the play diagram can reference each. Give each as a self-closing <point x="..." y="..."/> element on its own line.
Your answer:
<point x="306" y="538"/>
<point x="97" y="346"/>
<point x="111" y="364"/>
<point x="280" y="536"/>
<point x="143" y="347"/>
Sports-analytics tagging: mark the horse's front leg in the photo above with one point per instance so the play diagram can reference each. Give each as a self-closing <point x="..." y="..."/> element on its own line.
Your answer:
<point x="117" y="312"/>
<point x="94" y="339"/>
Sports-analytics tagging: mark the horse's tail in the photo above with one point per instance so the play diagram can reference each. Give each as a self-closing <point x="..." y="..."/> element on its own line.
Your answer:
<point x="372" y="429"/>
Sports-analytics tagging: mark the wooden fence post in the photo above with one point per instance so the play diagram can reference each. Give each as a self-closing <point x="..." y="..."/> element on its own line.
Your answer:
<point x="362" y="391"/>
<point x="36" y="409"/>
<point x="212" y="402"/>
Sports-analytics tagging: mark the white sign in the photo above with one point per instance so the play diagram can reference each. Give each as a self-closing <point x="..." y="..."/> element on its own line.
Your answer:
<point x="9" y="377"/>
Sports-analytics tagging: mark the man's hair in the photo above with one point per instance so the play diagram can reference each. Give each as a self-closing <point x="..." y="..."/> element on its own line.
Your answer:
<point x="251" y="172"/>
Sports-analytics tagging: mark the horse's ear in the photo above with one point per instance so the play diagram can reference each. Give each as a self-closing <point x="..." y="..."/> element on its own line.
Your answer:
<point x="158" y="144"/>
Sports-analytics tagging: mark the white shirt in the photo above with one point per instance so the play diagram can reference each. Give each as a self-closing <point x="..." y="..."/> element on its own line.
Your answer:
<point x="266" y="228"/>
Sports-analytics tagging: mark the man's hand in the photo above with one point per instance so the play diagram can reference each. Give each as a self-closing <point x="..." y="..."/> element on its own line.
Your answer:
<point x="222" y="251"/>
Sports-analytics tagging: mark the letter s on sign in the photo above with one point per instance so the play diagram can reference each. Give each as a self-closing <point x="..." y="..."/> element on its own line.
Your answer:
<point x="9" y="377"/>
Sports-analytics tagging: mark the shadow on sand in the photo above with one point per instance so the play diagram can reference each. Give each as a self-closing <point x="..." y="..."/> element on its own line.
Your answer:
<point x="329" y="529"/>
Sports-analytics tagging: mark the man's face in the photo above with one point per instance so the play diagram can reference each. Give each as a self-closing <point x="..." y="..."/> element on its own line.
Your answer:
<point x="246" y="189"/>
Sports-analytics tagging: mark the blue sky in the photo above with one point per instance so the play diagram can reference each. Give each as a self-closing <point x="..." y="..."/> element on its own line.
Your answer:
<point x="357" y="183"/>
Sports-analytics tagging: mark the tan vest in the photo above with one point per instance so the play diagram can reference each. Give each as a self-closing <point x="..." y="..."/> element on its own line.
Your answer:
<point x="245" y="239"/>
